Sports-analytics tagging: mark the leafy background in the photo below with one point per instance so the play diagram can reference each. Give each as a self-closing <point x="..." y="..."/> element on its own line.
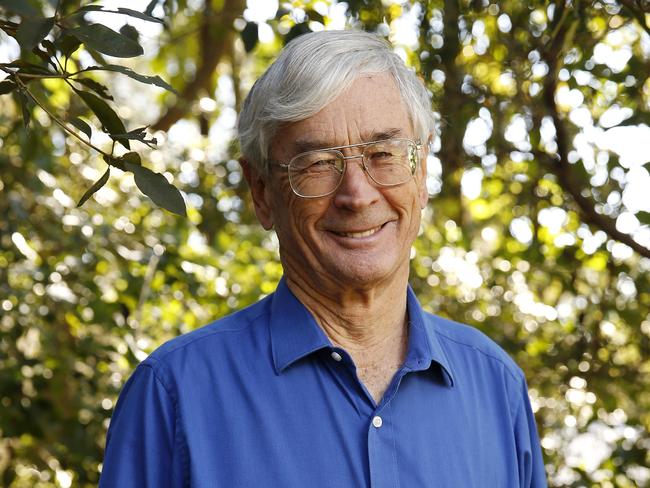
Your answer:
<point x="537" y="231"/>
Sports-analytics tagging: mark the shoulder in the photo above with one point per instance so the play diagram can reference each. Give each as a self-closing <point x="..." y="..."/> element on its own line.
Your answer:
<point x="465" y="343"/>
<point x="211" y="341"/>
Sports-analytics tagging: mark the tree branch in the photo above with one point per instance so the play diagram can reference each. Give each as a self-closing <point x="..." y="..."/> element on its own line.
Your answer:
<point x="215" y="36"/>
<point x="637" y="11"/>
<point x="561" y="166"/>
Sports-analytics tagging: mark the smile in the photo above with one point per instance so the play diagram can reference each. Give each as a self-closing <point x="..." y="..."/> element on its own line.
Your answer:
<point x="358" y="235"/>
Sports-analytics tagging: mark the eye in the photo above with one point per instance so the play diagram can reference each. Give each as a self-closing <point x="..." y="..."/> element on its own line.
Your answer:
<point x="322" y="166"/>
<point x="379" y="155"/>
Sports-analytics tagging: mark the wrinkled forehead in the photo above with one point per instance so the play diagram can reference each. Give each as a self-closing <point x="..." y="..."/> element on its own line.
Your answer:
<point x="370" y="109"/>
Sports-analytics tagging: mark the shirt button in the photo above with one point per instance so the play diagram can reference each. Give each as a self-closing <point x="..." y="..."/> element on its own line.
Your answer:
<point x="336" y="356"/>
<point x="377" y="421"/>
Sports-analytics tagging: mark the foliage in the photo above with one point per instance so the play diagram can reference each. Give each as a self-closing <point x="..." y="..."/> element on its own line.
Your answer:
<point x="524" y="236"/>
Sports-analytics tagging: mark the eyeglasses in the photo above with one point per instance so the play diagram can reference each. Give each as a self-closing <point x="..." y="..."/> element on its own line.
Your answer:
<point x="318" y="173"/>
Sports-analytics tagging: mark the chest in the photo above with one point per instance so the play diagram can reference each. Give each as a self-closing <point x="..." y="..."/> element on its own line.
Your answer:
<point x="317" y="427"/>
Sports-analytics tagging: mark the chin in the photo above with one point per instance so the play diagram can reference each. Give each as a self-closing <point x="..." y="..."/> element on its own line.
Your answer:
<point x="363" y="273"/>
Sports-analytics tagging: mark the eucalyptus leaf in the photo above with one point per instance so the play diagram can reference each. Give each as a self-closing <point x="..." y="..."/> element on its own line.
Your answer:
<point x="120" y="10"/>
<point x="644" y="217"/>
<point x="107" y="41"/>
<point x="20" y="7"/>
<point x="132" y="158"/>
<point x="156" y="187"/>
<point x="129" y="31"/>
<point x="32" y="31"/>
<point x="149" y="80"/>
<point x="67" y="44"/>
<point x="150" y="7"/>
<point x="96" y="186"/>
<point x="24" y="106"/>
<point x="7" y="86"/>
<point x="106" y="115"/>
<point x="30" y="68"/>
<point x="82" y="126"/>
<point x="95" y="86"/>
<point x="250" y="36"/>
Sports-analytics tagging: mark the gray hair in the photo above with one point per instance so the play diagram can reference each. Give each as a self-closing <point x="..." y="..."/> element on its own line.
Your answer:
<point x="312" y="71"/>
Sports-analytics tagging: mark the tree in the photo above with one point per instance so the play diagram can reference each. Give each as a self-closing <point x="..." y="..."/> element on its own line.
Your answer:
<point x="532" y="233"/>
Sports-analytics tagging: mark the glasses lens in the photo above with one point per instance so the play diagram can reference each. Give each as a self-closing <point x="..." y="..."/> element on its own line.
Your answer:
<point x="316" y="173"/>
<point x="391" y="162"/>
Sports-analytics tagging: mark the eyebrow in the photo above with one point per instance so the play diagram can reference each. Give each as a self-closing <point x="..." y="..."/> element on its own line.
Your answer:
<point x="306" y="144"/>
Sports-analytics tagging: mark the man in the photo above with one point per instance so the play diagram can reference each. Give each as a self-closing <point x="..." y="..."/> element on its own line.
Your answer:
<point x="338" y="379"/>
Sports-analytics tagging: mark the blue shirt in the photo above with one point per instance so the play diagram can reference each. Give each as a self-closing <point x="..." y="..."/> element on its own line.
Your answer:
<point x="261" y="398"/>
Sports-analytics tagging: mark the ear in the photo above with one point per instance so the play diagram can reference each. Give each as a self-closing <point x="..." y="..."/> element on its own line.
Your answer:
<point x="422" y="180"/>
<point x="259" y="191"/>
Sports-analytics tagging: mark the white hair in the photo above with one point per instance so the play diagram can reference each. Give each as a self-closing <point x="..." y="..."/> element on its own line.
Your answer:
<point x="312" y="71"/>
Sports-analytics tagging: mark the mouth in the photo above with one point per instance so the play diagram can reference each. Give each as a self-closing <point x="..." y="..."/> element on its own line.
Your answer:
<point x="360" y="234"/>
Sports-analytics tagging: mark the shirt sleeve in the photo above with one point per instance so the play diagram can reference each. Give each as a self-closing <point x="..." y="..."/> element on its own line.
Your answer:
<point x="531" y="463"/>
<point x="141" y="444"/>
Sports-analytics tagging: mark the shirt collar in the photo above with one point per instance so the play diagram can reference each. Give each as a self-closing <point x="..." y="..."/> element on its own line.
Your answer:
<point x="295" y="334"/>
<point x="294" y="331"/>
<point x="424" y="347"/>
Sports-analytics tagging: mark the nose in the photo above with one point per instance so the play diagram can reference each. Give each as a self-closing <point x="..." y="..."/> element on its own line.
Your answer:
<point x="356" y="190"/>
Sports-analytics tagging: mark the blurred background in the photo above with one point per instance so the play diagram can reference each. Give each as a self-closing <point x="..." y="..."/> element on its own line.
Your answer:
<point x="537" y="231"/>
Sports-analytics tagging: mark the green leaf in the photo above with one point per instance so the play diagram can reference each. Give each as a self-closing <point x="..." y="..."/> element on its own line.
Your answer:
<point x="98" y="88"/>
<point x="32" y="31"/>
<point x="130" y="32"/>
<point x="156" y="187"/>
<point x="96" y="186"/>
<point x="644" y="217"/>
<point x="106" y="41"/>
<point x="67" y="44"/>
<point x="120" y="10"/>
<point x="139" y="135"/>
<point x="82" y="126"/>
<point x="24" y="106"/>
<point x="30" y="68"/>
<point x="106" y="115"/>
<point x="149" y="80"/>
<point x="20" y="7"/>
<point x="150" y="7"/>
<point x="7" y="86"/>
<point x="249" y="36"/>
<point x="132" y="158"/>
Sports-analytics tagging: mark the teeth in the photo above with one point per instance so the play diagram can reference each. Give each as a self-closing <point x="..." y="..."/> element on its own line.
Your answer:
<point x="365" y="233"/>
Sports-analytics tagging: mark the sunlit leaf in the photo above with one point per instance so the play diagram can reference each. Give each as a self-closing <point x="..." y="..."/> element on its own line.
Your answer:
<point x="156" y="187"/>
<point x="106" y="41"/>
<point x="96" y="186"/>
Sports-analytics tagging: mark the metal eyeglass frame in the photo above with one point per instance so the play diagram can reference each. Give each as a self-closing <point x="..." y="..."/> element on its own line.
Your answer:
<point x="414" y="164"/>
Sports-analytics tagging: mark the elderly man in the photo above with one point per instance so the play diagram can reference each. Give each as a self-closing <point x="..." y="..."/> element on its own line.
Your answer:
<point x="339" y="378"/>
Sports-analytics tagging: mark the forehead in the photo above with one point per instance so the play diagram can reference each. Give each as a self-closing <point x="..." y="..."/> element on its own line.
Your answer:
<point x="370" y="109"/>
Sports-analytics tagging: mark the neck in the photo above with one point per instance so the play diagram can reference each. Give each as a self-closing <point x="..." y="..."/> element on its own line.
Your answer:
<point x="370" y="323"/>
<point x="357" y="316"/>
